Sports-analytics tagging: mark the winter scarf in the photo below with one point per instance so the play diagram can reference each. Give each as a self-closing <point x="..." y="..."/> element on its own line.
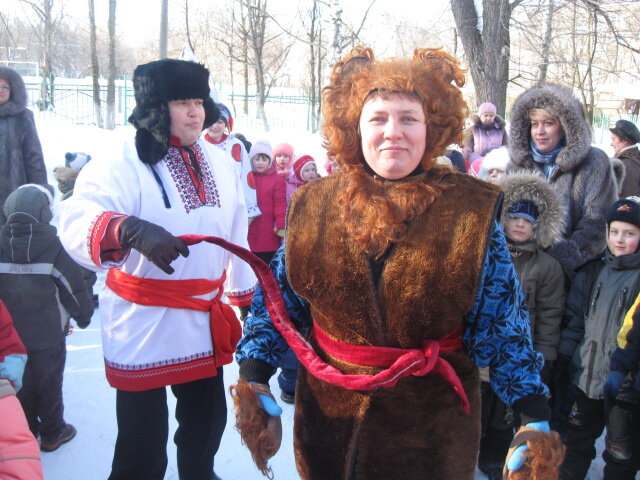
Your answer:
<point x="546" y="161"/>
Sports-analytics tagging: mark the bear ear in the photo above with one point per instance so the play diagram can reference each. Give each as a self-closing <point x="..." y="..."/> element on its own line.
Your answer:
<point x="358" y="57"/>
<point x="440" y="63"/>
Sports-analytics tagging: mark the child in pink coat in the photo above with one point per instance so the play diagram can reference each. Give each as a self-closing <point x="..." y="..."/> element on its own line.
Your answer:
<point x="283" y="158"/>
<point x="19" y="452"/>
<point x="305" y="170"/>
<point x="266" y="230"/>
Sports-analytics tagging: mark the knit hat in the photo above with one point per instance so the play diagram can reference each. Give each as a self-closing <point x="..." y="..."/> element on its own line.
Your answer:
<point x="261" y="146"/>
<point x="487" y="107"/>
<point x="76" y="160"/>
<point x="225" y="114"/>
<point x="155" y="84"/>
<point x="524" y="209"/>
<point x="29" y="203"/>
<point x="627" y="131"/>
<point x="283" y="148"/>
<point x="625" y="210"/>
<point x="299" y="164"/>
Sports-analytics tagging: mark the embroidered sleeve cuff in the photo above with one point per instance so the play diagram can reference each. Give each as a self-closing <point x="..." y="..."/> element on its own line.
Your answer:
<point x="532" y="408"/>
<point x="104" y="247"/>
<point x="253" y="370"/>
<point x="240" y="298"/>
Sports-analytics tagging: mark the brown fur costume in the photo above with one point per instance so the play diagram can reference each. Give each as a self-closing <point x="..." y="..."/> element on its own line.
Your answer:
<point x="416" y="429"/>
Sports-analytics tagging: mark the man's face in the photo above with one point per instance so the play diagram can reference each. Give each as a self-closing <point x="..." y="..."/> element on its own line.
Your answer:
<point x="5" y="91"/>
<point x="618" y="143"/>
<point x="187" y="119"/>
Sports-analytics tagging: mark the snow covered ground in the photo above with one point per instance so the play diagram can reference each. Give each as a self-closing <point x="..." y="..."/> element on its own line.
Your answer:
<point x="90" y="402"/>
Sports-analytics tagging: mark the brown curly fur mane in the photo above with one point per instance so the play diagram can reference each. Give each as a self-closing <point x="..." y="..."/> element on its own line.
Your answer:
<point x="251" y="421"/>
<point x="546" y="453"/>
<point x="378" y="211"/>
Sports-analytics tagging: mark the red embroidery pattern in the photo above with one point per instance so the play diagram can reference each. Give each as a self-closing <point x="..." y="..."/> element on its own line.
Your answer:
<point x="185" y="182"/>
<point x="240" y="298"/>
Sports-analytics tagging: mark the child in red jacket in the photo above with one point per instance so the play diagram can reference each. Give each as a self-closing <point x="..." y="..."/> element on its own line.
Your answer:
<point x="266" y="230"/>
<point x="19" y="452"/>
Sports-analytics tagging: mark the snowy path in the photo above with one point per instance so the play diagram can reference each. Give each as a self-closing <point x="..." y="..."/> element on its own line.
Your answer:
<point x="90" y="406"/>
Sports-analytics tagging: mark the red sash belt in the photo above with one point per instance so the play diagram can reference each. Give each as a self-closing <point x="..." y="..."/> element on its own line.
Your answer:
<point x="401" y="362"/>
<point x="225" y="327"/>
<point x="409" y="362"/>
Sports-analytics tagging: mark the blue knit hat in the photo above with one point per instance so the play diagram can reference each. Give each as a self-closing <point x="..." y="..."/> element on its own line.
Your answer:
<point x="524" y="209"/>
<point x="225" y="114"/>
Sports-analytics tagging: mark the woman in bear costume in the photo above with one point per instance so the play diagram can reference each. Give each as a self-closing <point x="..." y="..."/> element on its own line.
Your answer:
<point x="399" y="273"/>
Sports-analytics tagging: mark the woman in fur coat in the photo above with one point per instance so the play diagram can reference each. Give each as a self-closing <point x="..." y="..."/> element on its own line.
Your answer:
<point x="390" y="385"/>
<point x="21" y="159"/>
<point x="549" y="134"/>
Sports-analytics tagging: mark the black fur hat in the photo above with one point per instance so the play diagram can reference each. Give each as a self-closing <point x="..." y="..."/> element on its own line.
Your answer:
<point x="155" y="84"/>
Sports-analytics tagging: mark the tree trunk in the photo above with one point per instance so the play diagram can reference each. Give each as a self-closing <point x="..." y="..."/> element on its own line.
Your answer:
<point x="95" y="67"/>
<point x="111" y="81"/>
<point x="487" y="52"/>
<point x="164" y="27"/>
<point x="546" y="45"/>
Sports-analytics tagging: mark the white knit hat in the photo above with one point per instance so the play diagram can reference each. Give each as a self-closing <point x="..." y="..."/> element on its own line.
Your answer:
<point x="261" y="146"/>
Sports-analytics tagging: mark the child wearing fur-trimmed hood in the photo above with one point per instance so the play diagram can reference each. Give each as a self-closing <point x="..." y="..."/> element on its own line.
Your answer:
<point x="532" y="220"/>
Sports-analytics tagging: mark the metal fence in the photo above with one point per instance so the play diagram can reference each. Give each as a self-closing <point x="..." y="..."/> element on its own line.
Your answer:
<point x="72" y="101"/>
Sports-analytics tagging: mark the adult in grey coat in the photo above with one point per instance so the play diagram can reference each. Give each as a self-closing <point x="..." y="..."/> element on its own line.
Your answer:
<point x="548" y="133"/>
<point x="21" y="159"/>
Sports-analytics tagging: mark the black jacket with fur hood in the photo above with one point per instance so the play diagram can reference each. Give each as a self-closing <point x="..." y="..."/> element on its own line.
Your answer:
<point x="540" y="274"/>
<point x="21" y="159"/>
<point x="583" y="178"/>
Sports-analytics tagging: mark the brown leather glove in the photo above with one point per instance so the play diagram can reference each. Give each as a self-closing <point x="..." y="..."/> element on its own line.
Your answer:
<point x="260" y="432"/>
<point x="544" y="455"/>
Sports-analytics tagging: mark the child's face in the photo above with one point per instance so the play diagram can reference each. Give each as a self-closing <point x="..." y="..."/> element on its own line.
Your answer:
<point x="282" y="160"/>
<point x="518" y="229"/>
<point x="260" y="163"/>
<point x="495" y="174"/>
<point x="216" y="130"/>
<point x="623" y="238"/>
<point x="335" y="166"/>
<point x="309" y="172"/>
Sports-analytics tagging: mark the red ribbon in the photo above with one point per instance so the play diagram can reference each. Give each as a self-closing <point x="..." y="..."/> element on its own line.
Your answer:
<point x="410" y="362"/>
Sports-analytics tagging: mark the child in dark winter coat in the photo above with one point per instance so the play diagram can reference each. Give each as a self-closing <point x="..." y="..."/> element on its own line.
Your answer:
<point x="41" y="287"/>
<point x="19" y="455"/>
<point x="600" y="295"/>
<point x="266" y="230"/>
<point x="532" y="220"/>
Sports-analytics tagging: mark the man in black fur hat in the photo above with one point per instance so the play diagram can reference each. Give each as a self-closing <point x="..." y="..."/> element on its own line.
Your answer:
<point x="162" y="319"/>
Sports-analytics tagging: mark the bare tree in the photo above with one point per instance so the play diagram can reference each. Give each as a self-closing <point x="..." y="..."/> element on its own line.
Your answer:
<point x="111" y="78"/>
<point x="487" y="46"/>
<point x="95" y="67"/>
<point x="546" y="45"/>
<point x="267" y="51"/>
<point x="164" y="28"/>
<point x="45" y="32"/>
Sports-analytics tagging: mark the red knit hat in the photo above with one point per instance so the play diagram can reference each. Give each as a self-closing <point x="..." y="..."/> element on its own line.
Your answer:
<point x="299" y="164"/>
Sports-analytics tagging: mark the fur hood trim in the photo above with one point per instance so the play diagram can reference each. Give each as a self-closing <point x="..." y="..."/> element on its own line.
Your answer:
<point x="562" y="104"/>
<point x="18" y="99"/>
<point x="498" y="122"/>
<point x="531" y="186"/>
<point x="619" y="172"/>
